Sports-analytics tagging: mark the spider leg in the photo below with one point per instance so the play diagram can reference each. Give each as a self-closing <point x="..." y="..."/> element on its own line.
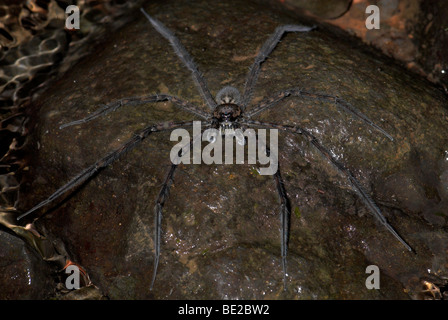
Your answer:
<point x="160" y="202"/>
<point x="285" y="212"/>
<point x="272" y="101"/>
<point x="285" y="216"/>
<point x="356" y="185"/>
<point x="265" y="50"/>
<point x="133" y="101"/>
<point x="163" y="195"/>
<point x="182" y="53"/>
<point x="108" y="159"/>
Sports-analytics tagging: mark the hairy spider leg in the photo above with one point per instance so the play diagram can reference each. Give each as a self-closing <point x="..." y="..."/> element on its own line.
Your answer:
<point x="285" y="216"/>
<point x="356" y="185"/>
<point x="272" y="101"/>
<point x="285" y="211"/>
<point x="265" y="50"/>
<point x="133" y="101"/>
<point x="185" y="57"/>
<point x="108" y="159"/>
<point x="160" y="202"/>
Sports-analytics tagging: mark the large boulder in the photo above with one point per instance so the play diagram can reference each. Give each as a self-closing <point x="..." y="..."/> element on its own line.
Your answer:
<point x="221" y="226"/>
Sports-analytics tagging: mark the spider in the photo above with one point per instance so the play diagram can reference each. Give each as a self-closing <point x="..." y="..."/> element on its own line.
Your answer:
<point x="227" y="114"/>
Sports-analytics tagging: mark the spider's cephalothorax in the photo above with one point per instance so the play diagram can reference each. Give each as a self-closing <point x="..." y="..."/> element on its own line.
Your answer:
<point x="227" y="112"/>
<point x="226" y="115"/>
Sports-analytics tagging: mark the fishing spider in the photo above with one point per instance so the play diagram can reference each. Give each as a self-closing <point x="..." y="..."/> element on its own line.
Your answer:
<point x="227" y="113"/>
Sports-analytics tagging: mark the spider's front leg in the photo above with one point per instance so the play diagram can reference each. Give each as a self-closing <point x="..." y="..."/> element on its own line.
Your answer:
<point x="160" y="202"/>
<point x="108" y="159"/>
<point x="285" y="216"/>
<point x="285" y="207"/>
<point x="356" y="185"/>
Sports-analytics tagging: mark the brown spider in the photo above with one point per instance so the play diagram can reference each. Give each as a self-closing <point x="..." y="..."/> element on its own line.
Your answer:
<point x="227" y="113"/>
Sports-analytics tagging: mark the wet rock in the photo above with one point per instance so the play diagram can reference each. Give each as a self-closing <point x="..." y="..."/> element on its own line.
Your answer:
<point x="221" y="223"/>
<point x="324" y="9"/>
<point x="432" y="40"/>
<point x="23" y="274"/>
<point x="36" y="49"/>
<point x="411" y="31"/>
<point x="392" y="37"/>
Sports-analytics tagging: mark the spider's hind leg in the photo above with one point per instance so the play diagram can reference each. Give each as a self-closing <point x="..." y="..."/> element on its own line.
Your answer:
<point x="185" y="57"/>
<point x="295" y="92"/>
<point x="265" y="51"/>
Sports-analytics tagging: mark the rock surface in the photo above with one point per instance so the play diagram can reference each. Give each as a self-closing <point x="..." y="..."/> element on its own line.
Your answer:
<point x="24" y="273"/>
<point x="322" y="8"/>
<point x="221" y="223"/>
